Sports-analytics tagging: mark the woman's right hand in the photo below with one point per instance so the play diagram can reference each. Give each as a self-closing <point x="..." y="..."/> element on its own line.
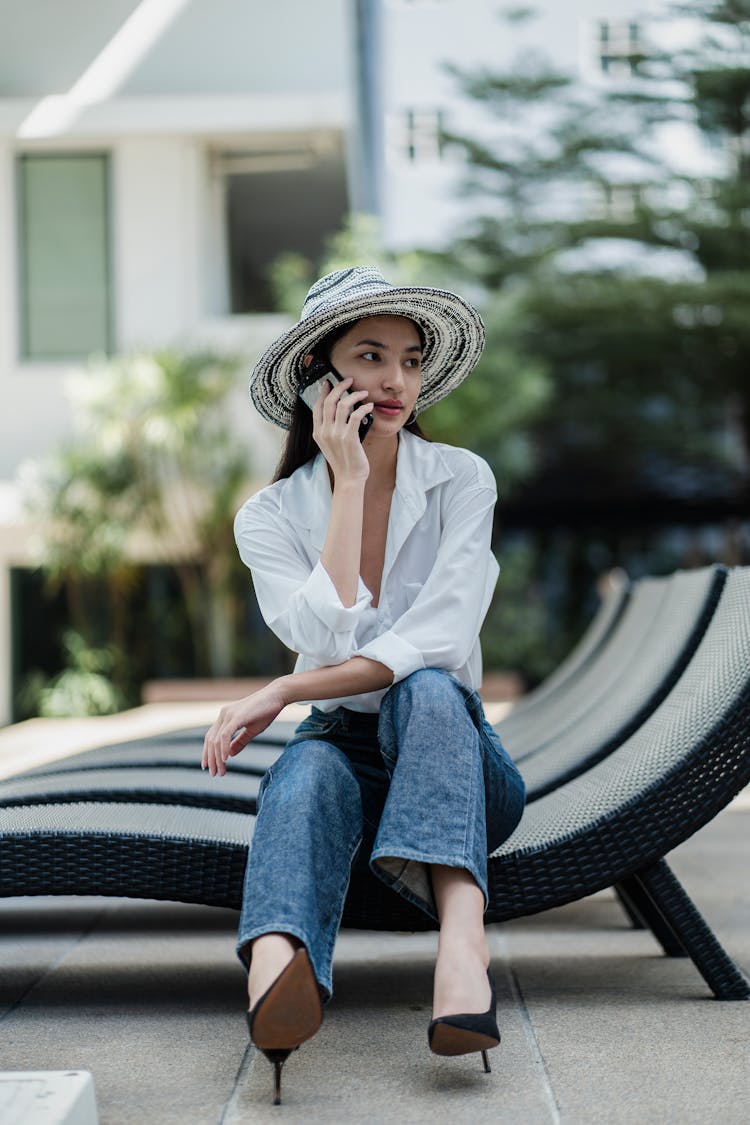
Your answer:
<point x="336" y="419"/>
<point x="239" y="723"/>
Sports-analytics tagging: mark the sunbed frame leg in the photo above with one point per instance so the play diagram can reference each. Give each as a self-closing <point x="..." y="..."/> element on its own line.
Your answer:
<point x="668" y="897"/>
<point x="625" y="900"/>
<point x="644" y="915"/>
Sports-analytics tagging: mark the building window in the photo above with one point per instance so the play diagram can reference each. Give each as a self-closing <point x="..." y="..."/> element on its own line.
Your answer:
<point x="288" y="199"/>
<point x="620" y="48"/>
<point x="65" y="286"/>
<point x="619" y="201"/>
<point x="416" y="135"/>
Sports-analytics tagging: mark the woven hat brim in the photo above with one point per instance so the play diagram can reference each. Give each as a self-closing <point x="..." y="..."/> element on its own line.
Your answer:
<point x="454" y="341"/>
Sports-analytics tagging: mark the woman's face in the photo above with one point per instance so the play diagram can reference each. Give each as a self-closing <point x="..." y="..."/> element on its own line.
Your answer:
<point x="383" y="354"/>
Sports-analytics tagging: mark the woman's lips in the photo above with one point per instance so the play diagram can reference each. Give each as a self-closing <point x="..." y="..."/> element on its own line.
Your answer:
<point x="391" y="409"/>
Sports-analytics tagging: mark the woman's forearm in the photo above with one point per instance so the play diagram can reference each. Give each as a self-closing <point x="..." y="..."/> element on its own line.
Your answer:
<point x="238" y="723"/>
<point x="354" y="677"/>
<point x="343" y="544"/>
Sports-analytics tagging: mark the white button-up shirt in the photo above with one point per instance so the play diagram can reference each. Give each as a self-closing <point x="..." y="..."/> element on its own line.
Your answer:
<point x="438" y="573"/>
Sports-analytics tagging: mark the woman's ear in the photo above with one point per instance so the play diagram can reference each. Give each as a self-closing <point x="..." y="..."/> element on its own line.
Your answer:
<point x="307" y="360"/>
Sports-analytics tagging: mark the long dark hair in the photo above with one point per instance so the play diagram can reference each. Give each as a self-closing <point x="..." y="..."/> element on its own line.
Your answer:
<point x="300" y="446"/>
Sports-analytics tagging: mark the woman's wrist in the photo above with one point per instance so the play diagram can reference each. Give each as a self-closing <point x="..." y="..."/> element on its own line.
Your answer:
<point x="353" y="487"/>
<point x="284" y="686"/>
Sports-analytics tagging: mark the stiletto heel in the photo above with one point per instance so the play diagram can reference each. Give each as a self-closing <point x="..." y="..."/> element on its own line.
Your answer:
<point x="464" y="1034"/>
<point x="288" y="1013"/>
<point x="278" y="1058"/>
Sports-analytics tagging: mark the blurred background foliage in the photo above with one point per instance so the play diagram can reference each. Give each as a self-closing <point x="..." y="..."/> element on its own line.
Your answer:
<point x="613" y="400"/>
<point x="630" y="281"/>
<point x="154" y="473"/>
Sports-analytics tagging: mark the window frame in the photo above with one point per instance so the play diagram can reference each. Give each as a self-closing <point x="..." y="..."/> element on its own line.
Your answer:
<point x="409" y="141"/>
<point x="618" y="43"/>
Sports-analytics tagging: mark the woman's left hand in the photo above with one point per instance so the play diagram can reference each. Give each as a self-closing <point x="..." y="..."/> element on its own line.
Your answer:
<point x="238" y="723"/>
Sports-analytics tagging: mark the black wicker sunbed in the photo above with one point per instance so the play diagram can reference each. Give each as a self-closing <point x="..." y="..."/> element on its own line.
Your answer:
<point x="174" y="785"/>
<point x="598" y="634"/>
<point x="594" y="683"/>
<point x="603" y="705"/>
<point x="613" y="825"/>
<point x="154" y="753"/>
<point x="590" y="726"/>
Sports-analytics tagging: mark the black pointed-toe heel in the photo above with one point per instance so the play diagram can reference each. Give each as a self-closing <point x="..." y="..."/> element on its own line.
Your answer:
<point x="464" y="1034"/>
<point x="288" y="1013"/>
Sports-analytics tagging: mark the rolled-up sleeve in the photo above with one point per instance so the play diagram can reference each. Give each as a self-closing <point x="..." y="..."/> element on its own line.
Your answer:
<point x="298" y="600"/>
<point x="441" y="627"/>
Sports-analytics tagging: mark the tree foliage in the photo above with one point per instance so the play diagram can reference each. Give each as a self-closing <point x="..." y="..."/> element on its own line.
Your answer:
<point x="153" y="473"/>
<point x="629" y="266"/>
<point x="611" y="233"/>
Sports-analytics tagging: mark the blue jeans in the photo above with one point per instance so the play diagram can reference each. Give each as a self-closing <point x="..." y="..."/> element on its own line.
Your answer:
<point x="425" y="781"/>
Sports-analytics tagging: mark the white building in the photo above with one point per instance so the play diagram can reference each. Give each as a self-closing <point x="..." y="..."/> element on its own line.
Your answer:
<point x="156" y="156"/>
<point x="417" y="182"/>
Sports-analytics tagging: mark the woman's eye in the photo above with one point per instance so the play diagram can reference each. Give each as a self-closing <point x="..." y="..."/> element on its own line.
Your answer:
<point x="416" y="362"/>
<point x="369" y="355"/>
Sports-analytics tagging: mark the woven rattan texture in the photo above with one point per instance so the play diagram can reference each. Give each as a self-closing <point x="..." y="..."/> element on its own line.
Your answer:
<point x="153" y="753"/>
<point x="168" y="821"/>
<point x="138" y="851"/>
<point x="596" y="635"/>
<point x="175" y="786"/>
<point x="671" y="777"/>
<point x="680" y="622"/>
<point x="597" y="680"/>
<point x="723" y="976"/>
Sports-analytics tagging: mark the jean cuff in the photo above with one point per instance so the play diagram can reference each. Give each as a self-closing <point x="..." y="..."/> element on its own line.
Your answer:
<point x="407" y="873"/>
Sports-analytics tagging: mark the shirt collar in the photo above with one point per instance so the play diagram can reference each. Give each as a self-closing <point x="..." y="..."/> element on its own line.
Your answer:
<point x="420" y="465"/>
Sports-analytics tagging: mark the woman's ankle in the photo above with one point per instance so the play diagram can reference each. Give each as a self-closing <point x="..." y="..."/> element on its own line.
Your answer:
<point x="459" y="943"/>
<point x="462" y="946"/>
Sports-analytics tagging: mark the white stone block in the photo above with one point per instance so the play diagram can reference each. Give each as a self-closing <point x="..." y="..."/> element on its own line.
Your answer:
<point x="47" y="1097"/>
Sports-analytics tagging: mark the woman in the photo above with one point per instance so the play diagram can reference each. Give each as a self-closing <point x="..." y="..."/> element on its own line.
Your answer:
<point x="370" y="555"/>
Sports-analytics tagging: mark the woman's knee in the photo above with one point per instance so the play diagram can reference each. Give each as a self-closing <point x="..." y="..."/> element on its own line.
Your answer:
<point x="314" y="772"/>
<point x="426" y="709"/>
<point x="433" y="689"/>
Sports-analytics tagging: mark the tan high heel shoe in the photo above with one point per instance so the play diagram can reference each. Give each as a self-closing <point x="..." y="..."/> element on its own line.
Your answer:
<point x="288" y="1013"/>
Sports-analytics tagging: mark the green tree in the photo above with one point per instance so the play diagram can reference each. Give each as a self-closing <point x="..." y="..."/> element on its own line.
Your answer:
<point x="627" y="273"/>
<point x="649" y="348"/>
<point x="84" y="687"/>
<point x="153" y="474"/>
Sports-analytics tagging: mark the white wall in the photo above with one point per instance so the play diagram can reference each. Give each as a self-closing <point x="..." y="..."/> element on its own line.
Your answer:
<point x="157" y="239"/>
<point x="222" y="74"/>
<point x="423" y="202"/>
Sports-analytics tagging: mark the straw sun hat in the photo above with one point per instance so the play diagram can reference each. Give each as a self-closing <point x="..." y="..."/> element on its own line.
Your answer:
<point x="453" y="330"/>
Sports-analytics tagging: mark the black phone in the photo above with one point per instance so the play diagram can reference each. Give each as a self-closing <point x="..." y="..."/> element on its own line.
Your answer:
<point x="312" y="386"/>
